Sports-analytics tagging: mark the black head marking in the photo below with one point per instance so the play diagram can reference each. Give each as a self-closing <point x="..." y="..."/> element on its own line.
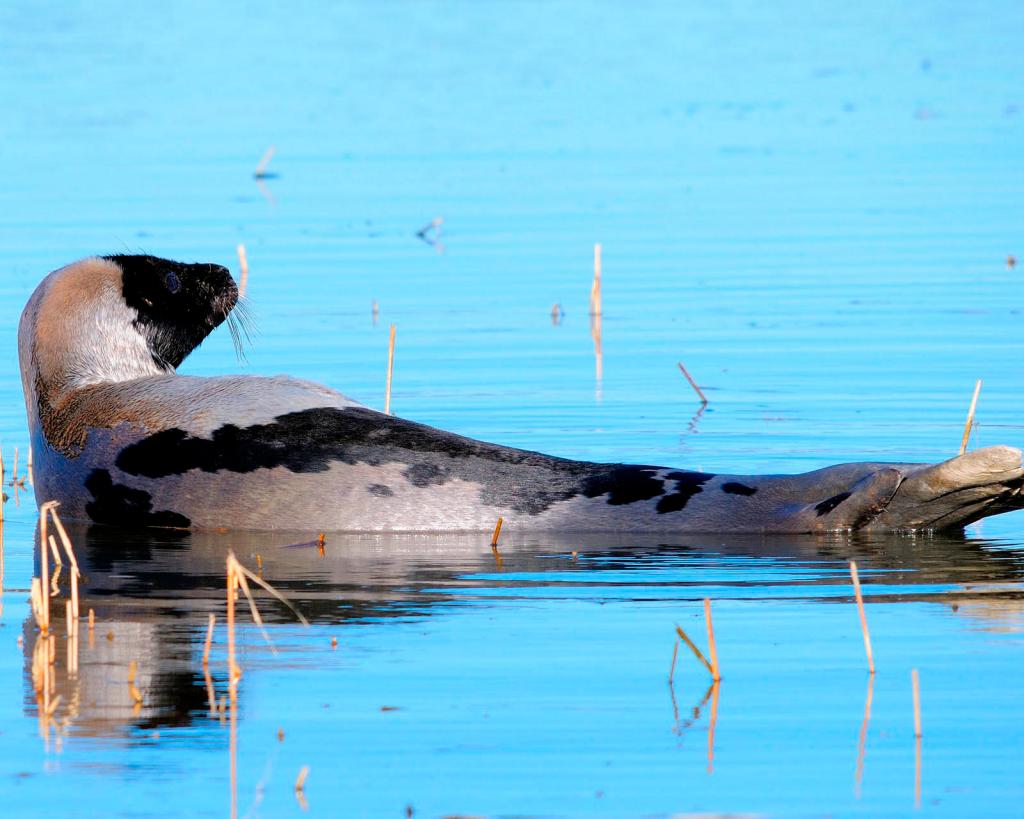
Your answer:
<point x="178" y="304"/>
<point x="827" y="506"/>
<point x="733" y="488"/>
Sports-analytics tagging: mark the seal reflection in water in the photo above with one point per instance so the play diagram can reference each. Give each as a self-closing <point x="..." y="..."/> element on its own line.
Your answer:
<point x="120" y="438"/>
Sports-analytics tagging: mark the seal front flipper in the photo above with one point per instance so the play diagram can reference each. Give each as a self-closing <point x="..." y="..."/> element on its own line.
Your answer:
<point x="844" y="511"/>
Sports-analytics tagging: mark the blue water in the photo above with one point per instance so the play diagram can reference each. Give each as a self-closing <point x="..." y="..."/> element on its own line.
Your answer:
<point x="811" y="206"/>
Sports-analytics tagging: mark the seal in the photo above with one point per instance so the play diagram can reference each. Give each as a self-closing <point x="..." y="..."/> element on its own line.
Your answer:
<point x="120" y="438"/>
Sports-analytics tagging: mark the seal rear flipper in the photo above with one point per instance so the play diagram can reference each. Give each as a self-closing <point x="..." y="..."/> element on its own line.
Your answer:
<point x="951" y="494"/>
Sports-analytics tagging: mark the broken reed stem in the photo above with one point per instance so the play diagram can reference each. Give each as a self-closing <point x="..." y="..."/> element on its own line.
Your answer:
<point x="92" y="619"/>
<point x="243" y="270"/>
<point x="711" y="641"/>
<point x="863" y="617"/>
<point x="70" y="552"/>
<point x="595" y="288"/>
<point x="970" y="417"/>
<point x="54" y="551"/>
<point x="700" y="393"/>
<point x="672" y="668"/>
<point x="915" y="685"/>
<point x="261" y="167"/>
<point x="497" y="531"/>
<point x="209" y="640"/>
<point x="391" y="366"/>
<point x="300" y="780"/>
<point x="231" y="584"/>
<point x="695" y="650"/>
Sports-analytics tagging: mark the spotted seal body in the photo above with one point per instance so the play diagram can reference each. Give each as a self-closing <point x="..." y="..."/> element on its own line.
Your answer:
<point x="120" y="438"/>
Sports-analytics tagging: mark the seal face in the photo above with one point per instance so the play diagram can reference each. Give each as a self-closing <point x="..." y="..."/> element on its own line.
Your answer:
<point x="177" y="304"/>
<point x="121" y="438"/>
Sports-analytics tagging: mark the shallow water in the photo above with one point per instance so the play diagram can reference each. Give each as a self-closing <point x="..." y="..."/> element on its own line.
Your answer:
<point x="811" y="208"/>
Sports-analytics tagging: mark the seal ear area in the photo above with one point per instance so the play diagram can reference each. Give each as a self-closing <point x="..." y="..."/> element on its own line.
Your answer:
<point x="177" y="304"/>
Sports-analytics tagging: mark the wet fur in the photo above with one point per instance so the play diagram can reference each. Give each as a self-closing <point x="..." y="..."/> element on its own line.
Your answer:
<point x="120" y="438"/>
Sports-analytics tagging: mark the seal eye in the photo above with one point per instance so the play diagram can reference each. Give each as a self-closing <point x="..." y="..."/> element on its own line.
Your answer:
<point x="173" y="282"/>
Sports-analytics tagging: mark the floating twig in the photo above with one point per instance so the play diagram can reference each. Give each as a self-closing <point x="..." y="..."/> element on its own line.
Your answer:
<point x="700" y="393"/>
<point x="261" y="167"/>
<point x="391" y="366"/>
<point x="863" y="616"/>
<point x="970" y="417"/>
<point x="695" y="650"/>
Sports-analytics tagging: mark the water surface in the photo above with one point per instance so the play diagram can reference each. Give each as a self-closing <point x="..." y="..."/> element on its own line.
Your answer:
<point x="811" y="207"/>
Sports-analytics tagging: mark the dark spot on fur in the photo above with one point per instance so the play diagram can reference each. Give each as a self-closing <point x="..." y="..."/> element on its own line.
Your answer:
<point x="733" y="488"/>
<point x="423" y="475"/>
<point x="120" y="505"/>
<point x="688" y="484"/>
<point x="827" y="506"/>
<point x="380" y="490"/>
<point x="625" y="484"/>
<point x="312" y="440"/>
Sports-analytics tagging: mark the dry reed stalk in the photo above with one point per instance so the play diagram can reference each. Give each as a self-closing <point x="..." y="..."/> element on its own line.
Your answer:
<point x="595" y="288"/>
<point x="321" y="544"/>
<point x="70" y="552"/>
<point x="92" y="619"/>
<point x="970" y="417"/>
<point x="700" y="393"/>
<point x="14" y="472"/>
<point x="863" y="616"/>
<point x="44" y="564"/>
<point x="261" y="167"/>
<point x="54" y="551"/>
<point x="715" y="686"/>
<point x="243" y="269"/>
<point x="231" y="586"/>
<point x="863" y="738"/>
<point x="672" y="668"/>
<point x="391" y="366"/>
<point x="300" y="780"/>
<point x="259" y="563"/>
<point x="711" y="641"/>
<point x="695" y="650"/>
<point x="209" y="640"/>
<point x="914" y="684"/>
<point x="211" y="697"/>
<point x="35" y="595"/>
<point x="67" y="615"/>
<point x="497" y="531"/>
